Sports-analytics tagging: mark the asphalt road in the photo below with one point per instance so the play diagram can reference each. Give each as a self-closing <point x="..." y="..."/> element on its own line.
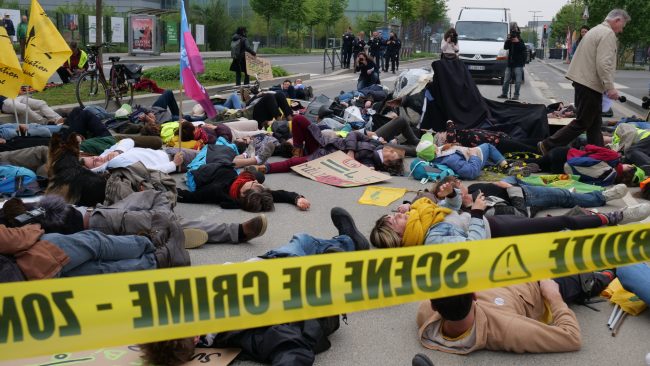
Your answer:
<point x="388" y="336"/>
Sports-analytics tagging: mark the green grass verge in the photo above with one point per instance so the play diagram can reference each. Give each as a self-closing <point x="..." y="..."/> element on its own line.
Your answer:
<point x="215" y="71"/>
<point x="167" y="77"/>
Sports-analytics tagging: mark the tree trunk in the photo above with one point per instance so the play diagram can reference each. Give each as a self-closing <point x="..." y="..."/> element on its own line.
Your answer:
<point x="99" y="30"/>
<point x="268" y="31"/>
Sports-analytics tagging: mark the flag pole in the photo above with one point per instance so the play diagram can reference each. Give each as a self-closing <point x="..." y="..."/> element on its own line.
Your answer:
<point x="26" y="106"/>
<point x="180" y="125"/>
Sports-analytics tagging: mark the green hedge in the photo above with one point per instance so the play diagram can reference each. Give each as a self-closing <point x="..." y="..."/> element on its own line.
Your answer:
<point x="215" y="71"/>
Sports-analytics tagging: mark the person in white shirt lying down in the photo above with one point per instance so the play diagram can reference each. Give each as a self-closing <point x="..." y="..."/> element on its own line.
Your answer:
<point x="124" y="153"/>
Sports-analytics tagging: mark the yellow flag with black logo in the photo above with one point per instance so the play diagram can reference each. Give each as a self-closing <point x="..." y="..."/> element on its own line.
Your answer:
<point x="45" y="49"/>
<point x="11" y="75"/>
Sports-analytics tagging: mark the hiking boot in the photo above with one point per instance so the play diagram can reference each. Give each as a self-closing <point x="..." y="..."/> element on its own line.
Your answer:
<point x="616" y="192"/>
<point x="344" y="222"/>
<point x="194" y="238"/>
<point x="266" y="152"/>
<point x="502" y="96"/>
<point x="162" y="258"/>
<point x="421" y="360"/>
<point x="252" y="228"/>
<point x="178" y="255"/>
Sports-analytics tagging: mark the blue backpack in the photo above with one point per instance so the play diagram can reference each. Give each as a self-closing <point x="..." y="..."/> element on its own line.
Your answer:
<point x="425" y="171"/>
<point x="9" y="180"/>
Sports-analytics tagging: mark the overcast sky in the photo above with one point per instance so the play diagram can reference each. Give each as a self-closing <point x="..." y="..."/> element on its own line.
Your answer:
<point x="518" y="8"/>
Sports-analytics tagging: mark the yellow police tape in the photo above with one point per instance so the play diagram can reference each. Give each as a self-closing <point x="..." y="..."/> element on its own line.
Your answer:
<point x="72" y="314"/>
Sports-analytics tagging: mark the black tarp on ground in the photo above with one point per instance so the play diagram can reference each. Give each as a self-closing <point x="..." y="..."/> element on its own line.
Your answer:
<point x="517" y="119"/>
<point x="456" y="97"/>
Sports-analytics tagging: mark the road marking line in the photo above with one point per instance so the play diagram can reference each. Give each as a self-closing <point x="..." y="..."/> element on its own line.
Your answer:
<point x="619" y="86"/>
<point x="538" y="84"/>
<point x="565" y="85"/>
<point x="337" y="77"/>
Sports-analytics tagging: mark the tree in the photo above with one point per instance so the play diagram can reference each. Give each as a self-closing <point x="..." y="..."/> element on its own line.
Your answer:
<point x="369" y="22"/>
<point x="529" y="36"/>
<point x="431" y="11"/>
<point x="267" y="9"/>
<point x="335" y="12"/>
<point x="636" y="32"/>
<point x="404" y="10"/>
<point x="569" y="17"/>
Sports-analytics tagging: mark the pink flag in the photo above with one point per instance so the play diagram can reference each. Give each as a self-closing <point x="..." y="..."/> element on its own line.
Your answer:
<point x="191" y="64"/>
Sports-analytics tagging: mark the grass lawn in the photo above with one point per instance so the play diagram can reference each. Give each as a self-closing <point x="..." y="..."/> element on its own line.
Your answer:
<point x="65" y="94"/>
<point x="167" y="77"/>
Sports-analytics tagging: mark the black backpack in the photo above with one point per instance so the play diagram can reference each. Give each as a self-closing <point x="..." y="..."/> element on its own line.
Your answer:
<point x="235" y="48"/>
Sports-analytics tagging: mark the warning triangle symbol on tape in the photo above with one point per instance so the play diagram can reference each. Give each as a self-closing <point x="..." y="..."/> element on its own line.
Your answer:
<point x="508" y="266"/>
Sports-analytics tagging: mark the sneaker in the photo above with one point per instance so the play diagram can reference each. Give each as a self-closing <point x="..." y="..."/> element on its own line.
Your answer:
<point x="344" y="222"/>
<point x="253" y="228"/>
<point x="616" y="192"/>
<point x="421" y="360"/>
<point x="516" y="97"/>
<point x="502" y="96"/>
<point x="266" y="152"/>
<point x="194" y="238"/>
<point x="635" y="213"/>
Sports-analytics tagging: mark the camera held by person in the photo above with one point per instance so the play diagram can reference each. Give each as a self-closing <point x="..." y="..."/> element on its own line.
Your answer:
<point x="515" y="64"/>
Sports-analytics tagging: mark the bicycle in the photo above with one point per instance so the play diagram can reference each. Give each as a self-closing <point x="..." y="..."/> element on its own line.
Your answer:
<point x="92" y="85"/>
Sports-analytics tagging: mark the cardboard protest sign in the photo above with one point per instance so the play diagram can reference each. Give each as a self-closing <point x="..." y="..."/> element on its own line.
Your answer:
<point x="258" y="66"/>
<point x="338" y="169"/>
<point x="126" y="356"/>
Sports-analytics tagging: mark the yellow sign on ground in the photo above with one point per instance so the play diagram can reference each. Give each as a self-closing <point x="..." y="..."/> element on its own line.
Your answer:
<point x="381" y="196"/>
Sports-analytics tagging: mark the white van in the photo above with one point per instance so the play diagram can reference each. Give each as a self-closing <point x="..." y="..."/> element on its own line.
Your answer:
<point x="481" y="34"/>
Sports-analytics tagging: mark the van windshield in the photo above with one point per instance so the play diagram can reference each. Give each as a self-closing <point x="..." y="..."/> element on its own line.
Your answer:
<point x="482" y="31"/>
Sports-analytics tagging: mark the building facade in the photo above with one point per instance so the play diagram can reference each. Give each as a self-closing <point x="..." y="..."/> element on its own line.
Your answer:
<point x="235" y="8"/>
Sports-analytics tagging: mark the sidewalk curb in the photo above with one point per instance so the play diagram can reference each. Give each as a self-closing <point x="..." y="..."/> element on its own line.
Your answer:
<point x="215" y="89"/>
<point x="351" y="71"/>
<point x="630" y="98"/>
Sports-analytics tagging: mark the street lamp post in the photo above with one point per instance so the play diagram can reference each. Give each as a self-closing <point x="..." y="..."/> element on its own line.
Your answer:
<point x="534" y="25"/>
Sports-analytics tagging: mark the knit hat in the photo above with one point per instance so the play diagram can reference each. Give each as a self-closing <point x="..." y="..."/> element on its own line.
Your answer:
<point x="59" y="216"/>
<point x="426" y="149"/>
<point x="124" y="111"/>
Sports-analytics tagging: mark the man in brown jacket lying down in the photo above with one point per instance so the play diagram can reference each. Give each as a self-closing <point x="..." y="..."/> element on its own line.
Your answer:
<point x="532" y="317"/>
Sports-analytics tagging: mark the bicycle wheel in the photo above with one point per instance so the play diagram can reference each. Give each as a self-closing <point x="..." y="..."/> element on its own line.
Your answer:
<point x="121" y="89"/>
<point x="123" y="94"/>
<point x="91" y="90"/>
